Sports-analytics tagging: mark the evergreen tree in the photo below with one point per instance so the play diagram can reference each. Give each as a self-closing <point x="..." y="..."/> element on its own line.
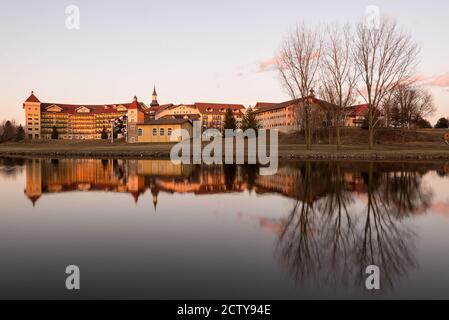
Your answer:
<point x="55" y="133"/>
<point x="443" y="123"/>
<point x="365" y="124"/>
<point x="229" y="122"/>
<point x="20" y="133"/>
<point x="423" y="124"/>
<point x="104" y="133"/>
<point x="250" y="121"/>
<point x="8" y="132"/>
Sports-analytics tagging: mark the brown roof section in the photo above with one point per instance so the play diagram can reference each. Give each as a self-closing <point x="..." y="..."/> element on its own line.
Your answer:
<point x="98" y="109"/>
<point x="260" y="105"/>
<point x="165" y="121"/>
<point x="182" y="116"/>
<point x="156" y="109"/>
<point x="218" y="108"/>
<point x="32" y="98"/>
<point x="359" y="110"/>
<point x="134" y="105"/>
<point x="270" y="107"/>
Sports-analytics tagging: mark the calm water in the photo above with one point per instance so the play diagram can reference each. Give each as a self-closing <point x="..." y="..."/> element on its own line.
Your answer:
<point x="151" y="229"/>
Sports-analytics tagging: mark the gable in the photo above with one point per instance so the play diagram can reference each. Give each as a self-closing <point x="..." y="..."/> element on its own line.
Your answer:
<point x="54" y="108"/>
<point x="83" y="110"/>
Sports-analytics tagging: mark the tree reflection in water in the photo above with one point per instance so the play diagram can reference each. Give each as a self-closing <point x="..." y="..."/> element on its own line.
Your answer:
<point x="11" y="167"/>
<point x="329" y="240"/>
<point x="345" y="216"/>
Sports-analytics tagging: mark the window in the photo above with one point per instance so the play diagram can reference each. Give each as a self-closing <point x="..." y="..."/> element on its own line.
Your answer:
<point x="139" y="132"/>
<point x="169" y="131"/>
<point x="162" y="131"/>
<point x="154" y="132"/>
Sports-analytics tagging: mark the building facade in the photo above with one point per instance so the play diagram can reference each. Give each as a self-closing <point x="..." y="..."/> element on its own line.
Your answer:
<point x="287" y="117"/>
<point x="88" y="122"/>
<point x="211" y="115"/>
<point x="78" y="122"/>
<point x="356" y="115"/>
<point x="162" y="130"/>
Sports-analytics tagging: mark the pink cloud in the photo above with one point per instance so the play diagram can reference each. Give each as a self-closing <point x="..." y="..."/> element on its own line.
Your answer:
<point x="441" y="80"/>
<point x="267" y="65"/>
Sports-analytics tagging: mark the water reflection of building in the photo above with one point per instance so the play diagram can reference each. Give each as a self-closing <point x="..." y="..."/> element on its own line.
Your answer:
<point x="305" y="182"/>
<point x="135" y="177"/>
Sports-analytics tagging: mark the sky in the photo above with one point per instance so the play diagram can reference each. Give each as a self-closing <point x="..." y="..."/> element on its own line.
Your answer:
<point x="193" y="51"/>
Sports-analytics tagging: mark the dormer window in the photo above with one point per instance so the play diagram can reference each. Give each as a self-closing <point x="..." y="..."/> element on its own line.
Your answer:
<point x="83" y="110"/>
<point x="54" y="108"/>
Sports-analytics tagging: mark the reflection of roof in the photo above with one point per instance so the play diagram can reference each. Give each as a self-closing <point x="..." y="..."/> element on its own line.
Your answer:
<point x="33" y="198"/>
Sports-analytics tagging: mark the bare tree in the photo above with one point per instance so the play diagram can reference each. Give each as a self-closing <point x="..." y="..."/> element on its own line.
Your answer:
<point x="339" y="74"/>
<point x="384" y="56"/>
<point x="298" y="63"/>
<point x="413" y="103"/>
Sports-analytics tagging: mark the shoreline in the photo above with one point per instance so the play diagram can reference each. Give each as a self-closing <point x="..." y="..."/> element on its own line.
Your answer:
<point x="285" y="153"/>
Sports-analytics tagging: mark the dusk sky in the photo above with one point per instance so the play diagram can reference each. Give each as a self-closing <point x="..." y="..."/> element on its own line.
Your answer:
<point x="194" y="51"/>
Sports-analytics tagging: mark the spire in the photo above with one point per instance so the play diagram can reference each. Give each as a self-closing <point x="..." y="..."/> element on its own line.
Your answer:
<point x="155" y="193"/>
<point x="312" y="93"/>
<point x="154" y="102"/>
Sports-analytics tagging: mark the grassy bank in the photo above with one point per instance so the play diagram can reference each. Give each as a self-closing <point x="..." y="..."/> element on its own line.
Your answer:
<point x="287" y="151"/>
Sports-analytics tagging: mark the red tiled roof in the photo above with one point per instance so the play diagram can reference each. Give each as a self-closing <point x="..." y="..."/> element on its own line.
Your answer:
<point x="260" y="105"/>
<point x="97" y="109"/>
<point x="270" y="107"/>
<point x="217" y="108"/>
<point x="32" y="98"/>
<point x="156" y="109"/>
<point x="134" y="105"/>
<point x="181" y="116"/>
<point x="358" y="110"/>
<point x="165" y="121"/>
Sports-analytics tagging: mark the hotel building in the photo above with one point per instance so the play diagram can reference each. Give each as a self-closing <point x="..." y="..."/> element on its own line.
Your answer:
<point x="287" y="116"/>
<point x="356" y="115"/>
<point x="211" y="115"/>
<point x="77" y="122"/>
<point x="87" y="122"/>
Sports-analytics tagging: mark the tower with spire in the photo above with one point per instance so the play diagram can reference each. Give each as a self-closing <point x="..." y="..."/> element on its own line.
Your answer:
<point x="32" y="107"/>
<point x="154" y="102"/>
